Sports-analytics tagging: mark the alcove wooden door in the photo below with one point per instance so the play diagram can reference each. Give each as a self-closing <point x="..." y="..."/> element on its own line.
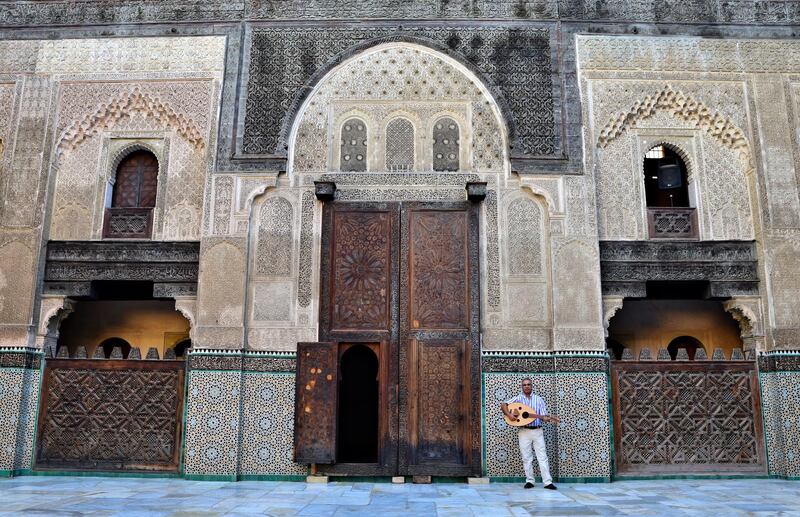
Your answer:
<point x="404" y="279"/>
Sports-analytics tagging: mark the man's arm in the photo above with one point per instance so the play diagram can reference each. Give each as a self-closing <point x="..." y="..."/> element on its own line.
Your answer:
<point x="544" y="416"/>
<point x="506" y="412"/>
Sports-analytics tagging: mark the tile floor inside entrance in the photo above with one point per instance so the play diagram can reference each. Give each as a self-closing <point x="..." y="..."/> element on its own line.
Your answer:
<point x="132" y="497"/>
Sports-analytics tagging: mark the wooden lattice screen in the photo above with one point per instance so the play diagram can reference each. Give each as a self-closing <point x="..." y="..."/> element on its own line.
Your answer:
<point x="687" y="417"/>
<point x="111" y="415"/>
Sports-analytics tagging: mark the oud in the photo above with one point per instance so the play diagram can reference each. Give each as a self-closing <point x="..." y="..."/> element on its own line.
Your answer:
<point x="524" y="415"/>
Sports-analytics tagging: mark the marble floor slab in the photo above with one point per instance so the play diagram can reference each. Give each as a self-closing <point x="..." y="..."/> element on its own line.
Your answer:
<point x="133" y="497"/>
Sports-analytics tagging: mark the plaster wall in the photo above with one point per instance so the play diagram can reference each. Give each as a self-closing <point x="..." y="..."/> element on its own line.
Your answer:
<point x="730" y="106"/>
<point x="70" y="109"/>
<point x="539" y="263"/>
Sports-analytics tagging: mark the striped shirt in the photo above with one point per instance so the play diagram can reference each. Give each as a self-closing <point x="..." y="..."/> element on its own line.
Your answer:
<point x="534" y="402"/>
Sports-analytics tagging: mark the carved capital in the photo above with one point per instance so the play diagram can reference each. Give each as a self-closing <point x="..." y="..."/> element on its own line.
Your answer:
<point x="187" y="305"/>
<point x="746" y="310"/>
<point x="611" y="305"/>
<point x="53" y="310"/>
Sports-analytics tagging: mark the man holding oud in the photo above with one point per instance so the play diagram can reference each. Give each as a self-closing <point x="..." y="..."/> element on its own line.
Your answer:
<point x="530" y="434"/>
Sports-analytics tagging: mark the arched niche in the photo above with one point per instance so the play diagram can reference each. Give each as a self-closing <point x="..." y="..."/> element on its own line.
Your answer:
<point x="382" y="79"/>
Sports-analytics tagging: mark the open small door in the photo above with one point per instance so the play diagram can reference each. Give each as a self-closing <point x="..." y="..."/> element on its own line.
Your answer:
<point x="316" y="403"/>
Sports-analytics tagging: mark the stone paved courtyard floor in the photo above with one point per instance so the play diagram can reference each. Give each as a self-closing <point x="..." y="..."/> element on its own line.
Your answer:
<point x="130" y="497"/>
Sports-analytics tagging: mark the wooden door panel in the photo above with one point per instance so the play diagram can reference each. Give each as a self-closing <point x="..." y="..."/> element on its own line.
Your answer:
<point x="362" y="270"/>
<point x="136" y="181"/>
<point x="438" y="416"/>
<point x="438" y="270"/>
<point x="439" y="330"/>
<point x="316" y="393"/>
<point x="359" y="305"/>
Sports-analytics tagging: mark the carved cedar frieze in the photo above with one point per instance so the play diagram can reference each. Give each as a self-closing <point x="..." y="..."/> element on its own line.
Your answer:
<point x="730" y="266"/>
<point x="72" y="265"/>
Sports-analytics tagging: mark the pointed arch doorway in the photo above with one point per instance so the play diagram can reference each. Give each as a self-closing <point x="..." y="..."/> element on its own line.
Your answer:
<point x="401" y="281"/>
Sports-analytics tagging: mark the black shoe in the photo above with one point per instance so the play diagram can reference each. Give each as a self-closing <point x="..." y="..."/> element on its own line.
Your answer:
<point x="528" y="485"/>
<point x="551" y="486"/>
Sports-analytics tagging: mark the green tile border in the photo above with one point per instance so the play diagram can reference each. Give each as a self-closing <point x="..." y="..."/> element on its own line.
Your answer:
<point x="612" y="453"/>
<point x="564" y="479"/>
<point x="182" y="455"/>
<point x="14" y="473"/>
<point x="764" y="428"/>
<point x="209" y="477"/>
<point x="102" y="474"/>
<point x="633" y="477"/>
<point x="270" y="477"/>
<point x="38" y="409"/>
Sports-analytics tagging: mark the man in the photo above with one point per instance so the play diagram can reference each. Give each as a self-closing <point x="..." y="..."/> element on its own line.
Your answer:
<point x="532" y="435"/>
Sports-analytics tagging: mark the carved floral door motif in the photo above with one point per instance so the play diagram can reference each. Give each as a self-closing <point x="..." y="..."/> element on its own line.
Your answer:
<point x="403" y="278"/>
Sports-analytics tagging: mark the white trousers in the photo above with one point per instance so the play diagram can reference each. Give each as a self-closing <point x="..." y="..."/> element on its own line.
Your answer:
<point x="531" y="440"/>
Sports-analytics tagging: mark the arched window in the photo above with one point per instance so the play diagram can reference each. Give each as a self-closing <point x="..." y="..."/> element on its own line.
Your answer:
<point x="111" y="343"/>
<point x="353" y="155"/>
<point x="133" y="197"/>
<point x="665" y="179"/>
<point x="688" y="342"/>
<point x="666" y="184"/>
<point x="400" y="145"/>
<point x="445" y="145"/>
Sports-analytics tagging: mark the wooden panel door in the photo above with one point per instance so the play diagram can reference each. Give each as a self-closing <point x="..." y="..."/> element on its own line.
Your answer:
<point x="359" y="299"/>
<point x="315" y="405"/>
<point x="136" y="181"/>
<point x="439" y="350"/>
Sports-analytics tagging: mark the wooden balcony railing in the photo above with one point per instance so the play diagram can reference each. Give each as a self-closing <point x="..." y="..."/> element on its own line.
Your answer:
<point x="672" y="223"/>
<point x="128" y="223"/>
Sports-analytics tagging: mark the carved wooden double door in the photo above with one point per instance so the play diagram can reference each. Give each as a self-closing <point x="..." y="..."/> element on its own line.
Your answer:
<point x="399" y="317"/>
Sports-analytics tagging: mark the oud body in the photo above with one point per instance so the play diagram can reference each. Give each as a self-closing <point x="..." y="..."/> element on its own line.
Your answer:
<point x="524" y="415"/>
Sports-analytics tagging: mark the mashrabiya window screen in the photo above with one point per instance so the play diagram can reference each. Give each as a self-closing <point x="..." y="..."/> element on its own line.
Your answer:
<point x="353" y="156"/>
<point x="400" y="145"/>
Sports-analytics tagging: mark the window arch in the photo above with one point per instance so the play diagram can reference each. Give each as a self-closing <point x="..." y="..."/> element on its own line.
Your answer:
<point x="182" y="347"/>
<point x="400" y="145"/>
<point x="670" y="214"/>
<point x="446" y="145"/>
<point x="666" y="179"/>
<point x="353" y="151"/>
<point x="133" y="197"/>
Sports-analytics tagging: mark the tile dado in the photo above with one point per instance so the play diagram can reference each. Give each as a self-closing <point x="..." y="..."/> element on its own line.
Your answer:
<point x="779" y="375"/>
<point x="240" y="416"/>
<point x="578" y="447"/>
<point x="19" y="401"/>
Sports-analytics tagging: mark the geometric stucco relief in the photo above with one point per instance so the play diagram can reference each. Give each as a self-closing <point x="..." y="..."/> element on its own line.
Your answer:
<point x="683" y="107"/>
<point x="399" y="80"/>
<point x="90" y="113"/>
<point x="718" y="162"/>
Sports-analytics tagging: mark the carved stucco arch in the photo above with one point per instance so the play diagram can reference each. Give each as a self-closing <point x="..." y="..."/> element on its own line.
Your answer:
<point x="187" y="306"/>
<point x="129" y="149"/>
<point x="298" y="105"/>
<point x="683" y="107"/>
<point x="120" y="107"/>
<point x="549" y="202"/>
